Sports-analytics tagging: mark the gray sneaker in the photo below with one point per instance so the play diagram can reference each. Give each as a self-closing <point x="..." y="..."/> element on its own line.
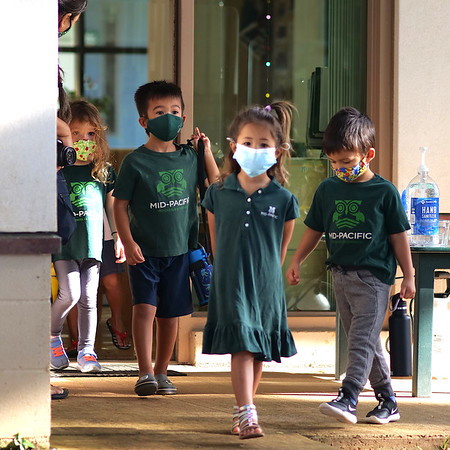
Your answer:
<point x="87" y="361"/>
<point x="165" y="386"/>
<point x="58" y="356"/>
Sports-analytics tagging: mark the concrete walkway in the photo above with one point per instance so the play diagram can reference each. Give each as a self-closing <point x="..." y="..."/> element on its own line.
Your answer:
<point x="104" y="413"/>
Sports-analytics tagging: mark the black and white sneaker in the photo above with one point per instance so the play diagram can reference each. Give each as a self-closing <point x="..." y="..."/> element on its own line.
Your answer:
<point x="385" y="412"/>
<point x="342" y="408"/>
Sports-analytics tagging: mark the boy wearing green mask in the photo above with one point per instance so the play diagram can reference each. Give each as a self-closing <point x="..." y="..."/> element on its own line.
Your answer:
<point x="364" y="223"/>
<point x="156" y="209"/>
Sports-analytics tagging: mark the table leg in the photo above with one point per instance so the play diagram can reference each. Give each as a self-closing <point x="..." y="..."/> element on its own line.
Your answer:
<point x="423" y="326"/>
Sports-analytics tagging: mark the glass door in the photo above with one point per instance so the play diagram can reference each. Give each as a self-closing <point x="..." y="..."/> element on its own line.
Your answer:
<point x="310" y="52"/>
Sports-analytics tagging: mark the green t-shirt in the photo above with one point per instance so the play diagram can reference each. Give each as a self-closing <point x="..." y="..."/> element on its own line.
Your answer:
<point x="88" y="202"/>
<point x="357" y="219"/>
<point x="162" y="191"/>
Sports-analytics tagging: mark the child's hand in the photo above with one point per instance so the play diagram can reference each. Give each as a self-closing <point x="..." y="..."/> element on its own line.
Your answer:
<point x="119" y="249"/>
<point x="133" y="254"/>
<point x="212" y="171"/>
<point x="195" y="137"/>
<point x="293" y="274"/>
<point x="407" y="288"/>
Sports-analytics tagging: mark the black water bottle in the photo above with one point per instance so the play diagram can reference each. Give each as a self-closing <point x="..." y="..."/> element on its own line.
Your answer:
<point x="400" y="338"/>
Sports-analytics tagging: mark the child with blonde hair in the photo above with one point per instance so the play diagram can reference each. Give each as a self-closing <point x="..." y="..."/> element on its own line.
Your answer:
<point x="90" y="183"/>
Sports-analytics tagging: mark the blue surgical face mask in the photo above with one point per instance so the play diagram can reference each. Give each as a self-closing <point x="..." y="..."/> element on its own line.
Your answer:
<point x="255" y="161"/>
<point x="165" y="127"/>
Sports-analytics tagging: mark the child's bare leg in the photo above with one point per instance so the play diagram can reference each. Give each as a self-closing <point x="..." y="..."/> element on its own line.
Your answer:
<point x="245" y="376"/>
<point x="242" y="377"/>
<point x="166" y="334"/>
<point x="143" y="316"/>
<point x="257" y="373"/>
<point x="113" y="291"/>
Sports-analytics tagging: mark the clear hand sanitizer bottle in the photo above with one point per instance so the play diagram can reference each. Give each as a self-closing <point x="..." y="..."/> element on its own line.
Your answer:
<point x="422" y="208"/>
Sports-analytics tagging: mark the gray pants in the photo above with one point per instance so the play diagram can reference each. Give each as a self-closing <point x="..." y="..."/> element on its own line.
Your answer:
<point x="362" y="301"/>
<point x="77" y="285"/>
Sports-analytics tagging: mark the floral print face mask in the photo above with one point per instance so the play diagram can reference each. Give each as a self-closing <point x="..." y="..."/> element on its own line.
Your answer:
<point x="349" y="174"/>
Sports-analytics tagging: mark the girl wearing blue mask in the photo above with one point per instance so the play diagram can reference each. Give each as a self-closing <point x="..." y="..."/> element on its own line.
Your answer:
<point x="251" y="218"/>
<point x="90" y="183"/>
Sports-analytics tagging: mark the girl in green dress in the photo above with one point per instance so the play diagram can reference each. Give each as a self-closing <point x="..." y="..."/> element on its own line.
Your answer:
<point x="251" y="219"/>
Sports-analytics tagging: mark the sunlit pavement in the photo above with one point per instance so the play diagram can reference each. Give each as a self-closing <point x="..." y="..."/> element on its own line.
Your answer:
<point x="104" y="412"/>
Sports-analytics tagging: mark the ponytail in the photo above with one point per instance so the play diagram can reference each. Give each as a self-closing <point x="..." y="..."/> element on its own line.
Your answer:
<point x="283" y="111"/>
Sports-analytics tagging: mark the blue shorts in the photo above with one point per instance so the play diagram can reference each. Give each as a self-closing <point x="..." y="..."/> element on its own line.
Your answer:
<point x="109" y="264"/>
<point x="164" y="283"/>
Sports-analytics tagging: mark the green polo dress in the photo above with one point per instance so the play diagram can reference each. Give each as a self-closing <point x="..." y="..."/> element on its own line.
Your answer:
<point x="247" y="307"/>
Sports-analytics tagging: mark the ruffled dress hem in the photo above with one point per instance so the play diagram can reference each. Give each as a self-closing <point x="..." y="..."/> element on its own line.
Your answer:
<point x="266" y="346"/>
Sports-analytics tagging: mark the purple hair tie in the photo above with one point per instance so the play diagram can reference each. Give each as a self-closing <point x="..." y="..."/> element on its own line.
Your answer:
<point x="268" y="108"/>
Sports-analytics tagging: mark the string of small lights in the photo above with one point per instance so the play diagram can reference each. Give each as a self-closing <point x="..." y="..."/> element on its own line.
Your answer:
<point x="268" y="34"/>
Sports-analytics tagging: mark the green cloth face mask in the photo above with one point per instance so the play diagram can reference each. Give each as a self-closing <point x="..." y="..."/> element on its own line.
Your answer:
<point x="85" y="148"/>
<point x="165" y="127"/>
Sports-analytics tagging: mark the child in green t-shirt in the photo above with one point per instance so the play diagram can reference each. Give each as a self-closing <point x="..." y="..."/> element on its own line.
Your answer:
<point x="90" y="182"/>
<point x="157" y="219"/>
<point x="365" y="227"/>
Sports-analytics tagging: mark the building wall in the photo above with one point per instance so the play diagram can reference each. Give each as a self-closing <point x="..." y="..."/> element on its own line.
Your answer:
<point x="28" y="92"/>
<point x="24" y="353"/>
<point x="422" y="92"/>
<point x="28" y="87"/>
